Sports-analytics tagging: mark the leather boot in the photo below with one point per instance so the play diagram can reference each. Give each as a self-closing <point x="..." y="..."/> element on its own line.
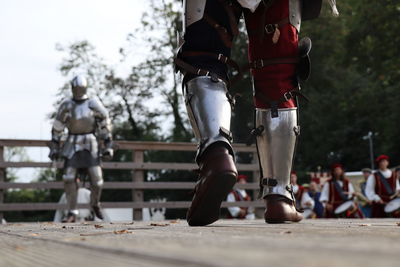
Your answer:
<point x="71" y="218"/>
<point x="217" y="177"/>
<point x="97" y="211"/>
<point x="280" y="209"/>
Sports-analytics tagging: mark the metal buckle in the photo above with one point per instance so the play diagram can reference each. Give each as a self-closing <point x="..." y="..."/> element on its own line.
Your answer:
<point x="220" y="56"/>
<point x="270" y="28"/>
<point x="258" y="64"/>
<point x="287" y="96"/>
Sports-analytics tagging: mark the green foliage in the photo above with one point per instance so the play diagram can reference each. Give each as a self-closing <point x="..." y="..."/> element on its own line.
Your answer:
<point x="352" y="87"/>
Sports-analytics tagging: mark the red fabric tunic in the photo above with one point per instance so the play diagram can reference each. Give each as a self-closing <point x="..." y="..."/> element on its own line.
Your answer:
<point x="334" y="197"/>
<point x="273" y="80"/>
<point x="378" y="209"/>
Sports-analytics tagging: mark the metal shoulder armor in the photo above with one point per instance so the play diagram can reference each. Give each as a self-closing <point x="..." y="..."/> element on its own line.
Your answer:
<point x="64" y="111"/>
<point x="193" y="11"/>
<point x="300" y="10"/>
<point x="102" y="118"/>
<point x="61" y="119"/>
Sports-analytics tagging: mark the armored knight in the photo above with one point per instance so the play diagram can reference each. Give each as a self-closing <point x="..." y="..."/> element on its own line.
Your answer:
<point x="87" y="121"/>
<point x="277" y="61"/>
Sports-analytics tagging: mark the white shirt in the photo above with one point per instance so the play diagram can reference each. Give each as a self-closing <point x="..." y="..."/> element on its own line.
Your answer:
<point x="325" y="191"/>
<point x="295" y="188"/>
<point x="305" y="198"/>
<point x="234" y="211"/>
<point x="370" y="187"/>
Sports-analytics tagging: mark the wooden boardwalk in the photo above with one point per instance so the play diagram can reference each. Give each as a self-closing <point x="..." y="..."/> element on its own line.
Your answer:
<point x="374" y="242"/>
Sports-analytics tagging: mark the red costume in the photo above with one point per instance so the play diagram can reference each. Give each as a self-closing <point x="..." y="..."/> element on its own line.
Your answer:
<point x="334" y="197"/>
<point x="377" y="208"/>
<point x="276" y="79"/>
<point x="239" y="197"/>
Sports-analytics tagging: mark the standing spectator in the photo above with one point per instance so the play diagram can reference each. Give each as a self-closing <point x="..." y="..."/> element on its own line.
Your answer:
<point x="365" y="205"/>
<point x="381" y="187"/>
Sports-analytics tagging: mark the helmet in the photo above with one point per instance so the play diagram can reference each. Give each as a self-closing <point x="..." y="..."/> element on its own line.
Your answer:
<point x="79" y="87"/>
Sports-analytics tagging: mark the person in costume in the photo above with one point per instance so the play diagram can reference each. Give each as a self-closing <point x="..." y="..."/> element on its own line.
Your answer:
<point x="365" y="202"/>
<point x="336" y="191"/>
<point x="382" y="187"/>
<point x="240" y="195"/>
<point x="87" y="121"/>
<point x="278" y="61"/>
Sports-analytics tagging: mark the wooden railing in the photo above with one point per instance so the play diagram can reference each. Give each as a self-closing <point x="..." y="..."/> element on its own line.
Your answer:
<point x="138" y="184"/>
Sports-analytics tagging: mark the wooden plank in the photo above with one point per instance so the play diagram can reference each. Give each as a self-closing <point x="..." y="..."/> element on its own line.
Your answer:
<point x="119" y="185"/>
<point x="2" y="179"/>
<point x="125" y="165"/>
<point x="128" y="145"/>
<point x="134" y="205"/>
<point x="138" y="177"/>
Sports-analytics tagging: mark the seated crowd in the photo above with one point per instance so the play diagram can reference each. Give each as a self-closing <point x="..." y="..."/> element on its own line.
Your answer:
<point x="379" y="195"/>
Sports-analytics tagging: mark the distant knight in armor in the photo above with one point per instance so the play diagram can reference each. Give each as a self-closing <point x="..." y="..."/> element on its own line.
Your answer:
<point x="87" y="122"/>
<point x="278" y="61"/>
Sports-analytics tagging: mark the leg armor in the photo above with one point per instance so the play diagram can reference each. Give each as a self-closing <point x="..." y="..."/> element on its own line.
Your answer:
<point x="276" y="145"/>
<point x="203" y="58"/>
<point x="96" y="181"/>
<point x="193" y="11"/>
<point x="209" y="112"/>
<point x="71" y="189"/>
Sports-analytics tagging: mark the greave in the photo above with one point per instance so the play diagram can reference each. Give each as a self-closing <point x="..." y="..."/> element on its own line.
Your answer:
<point x="276" y="145"/>
<point x="209" y="112"/>
<point x="96" y="181"/>
<point x="71" y="189"/>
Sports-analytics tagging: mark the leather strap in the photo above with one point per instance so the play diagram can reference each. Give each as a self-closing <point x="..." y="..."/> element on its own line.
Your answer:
<point x="266" y="4"/>
<point x="269" y="182"/>
<point x="270" y="28"/>
<point x="284" y="98"/>
<point x="340" y="191"/>
<point x="219" y="57"/>
<point x="231" y="15"/>
<point x="289" y="188"/>
<point x="222" y="31"/>
<point x="197" y="71"/>
<point x="385" y="183"/>
<point x="261" y="63"/>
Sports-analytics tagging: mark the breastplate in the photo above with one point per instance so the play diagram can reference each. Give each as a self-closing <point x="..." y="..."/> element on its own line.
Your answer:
<point x="82" y="119"/>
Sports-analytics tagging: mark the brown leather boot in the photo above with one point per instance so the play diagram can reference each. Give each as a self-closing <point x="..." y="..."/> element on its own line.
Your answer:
<point x="217" y="177"/>
<point x="97" y="211"/>
<point x="71" y="218"/>
<point x="280" y="209"/>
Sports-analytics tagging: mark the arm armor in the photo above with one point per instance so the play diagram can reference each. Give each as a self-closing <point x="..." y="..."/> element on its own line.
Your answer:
<point x="57" y="130"/>
<point x="103" y="122"/>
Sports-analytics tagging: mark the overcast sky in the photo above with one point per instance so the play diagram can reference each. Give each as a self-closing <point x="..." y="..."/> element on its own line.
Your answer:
<point x="29" y="31"/>
<point x="29" y="79"/>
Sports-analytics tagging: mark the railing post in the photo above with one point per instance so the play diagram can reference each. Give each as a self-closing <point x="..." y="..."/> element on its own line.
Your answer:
<point x="138" y="176"/>
<point x="2" y="179"/>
